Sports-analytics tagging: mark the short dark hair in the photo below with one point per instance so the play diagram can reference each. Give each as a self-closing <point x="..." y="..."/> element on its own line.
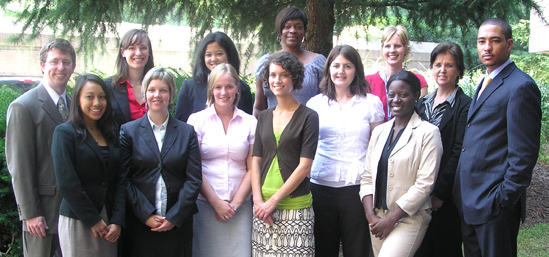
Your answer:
<point x="410" y="79"/>
<point x="200" y="70"/>
<point x="359" y="85"/>
<point x="106" y="124"/>
<point x="455" y="51"/>
<point x="63" y="45"/>
<point x="503" y="24"/>
<point x="289" y="63"/>
<point x="288" y="14"/>
<point x="122" y="69"/>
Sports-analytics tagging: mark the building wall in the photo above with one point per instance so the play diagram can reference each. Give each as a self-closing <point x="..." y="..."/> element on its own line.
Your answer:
<point x="539" y="31"/>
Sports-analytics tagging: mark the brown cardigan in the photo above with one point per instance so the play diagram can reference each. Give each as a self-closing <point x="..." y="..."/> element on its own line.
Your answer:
<point x="299" y="139"/>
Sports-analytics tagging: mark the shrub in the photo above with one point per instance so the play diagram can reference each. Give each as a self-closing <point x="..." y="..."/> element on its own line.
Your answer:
<point x="10" y="226"/>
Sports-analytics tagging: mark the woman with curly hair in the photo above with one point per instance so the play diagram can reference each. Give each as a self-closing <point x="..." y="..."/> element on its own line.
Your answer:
<point x="284" y="149"/>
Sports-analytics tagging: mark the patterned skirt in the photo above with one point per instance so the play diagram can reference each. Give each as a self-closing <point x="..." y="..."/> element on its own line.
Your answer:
<point x="291" y="235"/>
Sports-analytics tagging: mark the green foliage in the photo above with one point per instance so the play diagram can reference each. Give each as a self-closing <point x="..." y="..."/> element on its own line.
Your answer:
<point x="252" y="19"/>
<point x="10" y="226"/>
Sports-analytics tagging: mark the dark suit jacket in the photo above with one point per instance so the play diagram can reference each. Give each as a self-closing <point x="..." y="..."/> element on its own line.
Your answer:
<point x="500" y="147"/>
<point x="85" y="180"/>
<point x="192" y="98"/>
<point x="31" y="120"/>
<point x="178" y="163"/>
<point x="120" y="103"/>
<point x="452" y="129"/>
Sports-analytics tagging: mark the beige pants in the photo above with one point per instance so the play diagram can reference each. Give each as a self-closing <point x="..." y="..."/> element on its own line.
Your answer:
<point x="405" y="238"/>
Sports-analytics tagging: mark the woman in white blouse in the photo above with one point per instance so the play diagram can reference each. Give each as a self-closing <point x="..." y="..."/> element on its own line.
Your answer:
<point x="225" y="133"/>
<point x="347" y="115"/>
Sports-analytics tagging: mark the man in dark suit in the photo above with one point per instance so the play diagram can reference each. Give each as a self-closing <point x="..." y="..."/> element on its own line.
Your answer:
<point x="31" y="120"/>
<point x="500" y="148"/>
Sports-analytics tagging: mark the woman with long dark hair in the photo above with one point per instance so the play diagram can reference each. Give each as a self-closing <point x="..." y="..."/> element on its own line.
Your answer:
<point x="347" y="115"/>
<point x="87" y="163"/>
<point x="215" y="48"/>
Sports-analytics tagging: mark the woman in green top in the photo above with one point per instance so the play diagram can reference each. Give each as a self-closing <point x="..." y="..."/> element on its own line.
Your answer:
<point x="284" y="148"/>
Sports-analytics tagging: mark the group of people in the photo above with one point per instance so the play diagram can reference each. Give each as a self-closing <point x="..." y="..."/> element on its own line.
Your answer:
<point x="325" y="158"/>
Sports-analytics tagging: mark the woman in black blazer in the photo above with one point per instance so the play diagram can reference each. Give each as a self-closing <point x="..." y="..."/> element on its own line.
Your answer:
<point x="134" y="60"/>
<point x="214" y="49"/>
<point x="89" y="175"/>
<point x="447" y="108"/>
<point x="161" y="157"/>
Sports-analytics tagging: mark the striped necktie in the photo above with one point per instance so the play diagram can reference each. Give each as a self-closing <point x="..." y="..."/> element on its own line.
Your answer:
<point x="484" y="84"/>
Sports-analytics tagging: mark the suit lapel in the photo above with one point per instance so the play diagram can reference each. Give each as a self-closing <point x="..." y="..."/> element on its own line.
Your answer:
<point x="145" y="130"/>
<point x="122" y="100"/>
<point x="170" y="136"/>
<point x="490" y="88"/>
<point x="93" y="145"/>
<point x="447" y="116"/>
<point x="415" y="120"/>
<point x="48" y="105"/>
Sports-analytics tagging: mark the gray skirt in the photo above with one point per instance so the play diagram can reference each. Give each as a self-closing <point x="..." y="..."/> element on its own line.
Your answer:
<point x="212" y="237"/>
<point x="291" y="235"/>
<point x="77" y="240"/>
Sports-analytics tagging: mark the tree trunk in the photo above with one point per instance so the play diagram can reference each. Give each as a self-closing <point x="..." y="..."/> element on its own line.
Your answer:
<point x="319" y="38"/>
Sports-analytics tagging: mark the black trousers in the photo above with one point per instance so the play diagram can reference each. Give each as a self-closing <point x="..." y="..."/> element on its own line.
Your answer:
<point x="496" y="238"/>
<point x="339" y="216"/>
<point x="443" y="236"/>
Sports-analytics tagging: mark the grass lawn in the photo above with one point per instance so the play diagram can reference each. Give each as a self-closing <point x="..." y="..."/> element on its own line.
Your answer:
<point x="534" y="241"/>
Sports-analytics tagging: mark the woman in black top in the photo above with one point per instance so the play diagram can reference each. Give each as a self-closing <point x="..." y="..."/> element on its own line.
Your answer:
<point x="214" y="49"/>
<point x="85" y="153"/>
<point x="446" y="108"/>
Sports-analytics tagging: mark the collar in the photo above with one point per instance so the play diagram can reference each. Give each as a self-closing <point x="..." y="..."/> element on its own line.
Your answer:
<point x="355" y="99"/>
<point x="210" y="111"/>
<point x="53" y="95"/>
<point x="163" y="126"/>
<point x="495" y="72"/>
<point x="451" y="99"/>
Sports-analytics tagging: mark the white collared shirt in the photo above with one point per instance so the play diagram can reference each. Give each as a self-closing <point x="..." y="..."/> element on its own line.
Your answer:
<point x="223" y="155"/>
<point x="161" y="198"/>
<point x="54" y="95"/>
<point x="343" y="139"/>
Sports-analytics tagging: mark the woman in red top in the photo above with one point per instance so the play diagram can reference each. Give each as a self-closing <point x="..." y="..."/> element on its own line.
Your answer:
<point x="395" y="47"/>
<point x="135" y="58"/>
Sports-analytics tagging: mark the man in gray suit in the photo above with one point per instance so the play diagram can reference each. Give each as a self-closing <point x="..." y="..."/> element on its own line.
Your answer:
<point x="31" y="120"/>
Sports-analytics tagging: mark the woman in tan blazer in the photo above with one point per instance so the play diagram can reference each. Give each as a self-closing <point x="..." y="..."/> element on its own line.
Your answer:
<point x="400" y="170"/>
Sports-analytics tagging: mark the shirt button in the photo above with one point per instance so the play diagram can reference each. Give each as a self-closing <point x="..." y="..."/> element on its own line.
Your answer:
<point x="390" y="188"/>
<point x="463" y="149"/>
<point x="391" y="160"/>
<point x="469" y="124"/>
<point x="391" y="174"/>
<point x="160" y="165"/>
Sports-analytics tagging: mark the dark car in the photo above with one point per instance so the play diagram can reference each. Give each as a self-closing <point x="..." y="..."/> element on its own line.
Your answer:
<point x="22" y="84"/>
